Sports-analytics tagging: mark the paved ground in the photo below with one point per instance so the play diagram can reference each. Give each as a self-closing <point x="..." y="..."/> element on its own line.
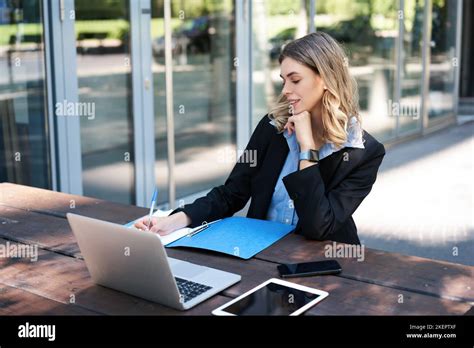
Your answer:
<point x="422" y="202"/>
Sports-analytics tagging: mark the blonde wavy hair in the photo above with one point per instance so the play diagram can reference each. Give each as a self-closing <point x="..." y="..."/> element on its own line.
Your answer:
<point x="340" y="101"/>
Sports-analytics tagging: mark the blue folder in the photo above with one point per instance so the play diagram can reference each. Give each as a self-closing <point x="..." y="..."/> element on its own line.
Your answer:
<point x="237" y="236"/>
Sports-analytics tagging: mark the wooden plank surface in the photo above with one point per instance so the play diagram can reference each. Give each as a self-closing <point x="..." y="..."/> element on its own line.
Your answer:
<point x="30" y="227"/>
<point x="347" y="296"/>
<point x="59" y="204"/>
<point x="444" y="279"/>
<point x="362" y="289"/>
<point x="64" y="278"/>
<point x="14" y="301"/>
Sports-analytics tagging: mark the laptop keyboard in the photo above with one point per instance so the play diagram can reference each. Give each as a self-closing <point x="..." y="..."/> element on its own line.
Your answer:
<point x="189" y="289"/>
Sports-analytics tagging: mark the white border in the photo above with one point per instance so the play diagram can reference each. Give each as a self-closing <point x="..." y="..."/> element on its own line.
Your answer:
<point x="322" y="295"/>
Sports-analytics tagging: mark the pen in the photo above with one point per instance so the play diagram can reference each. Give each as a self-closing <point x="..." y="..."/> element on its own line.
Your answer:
<point x="153" y="202"/>
<point x="197" y="230"/>
<point x="201" y="228"/>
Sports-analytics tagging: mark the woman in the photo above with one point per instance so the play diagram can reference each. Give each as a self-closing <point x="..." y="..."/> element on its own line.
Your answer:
<point x="315" y="164"/>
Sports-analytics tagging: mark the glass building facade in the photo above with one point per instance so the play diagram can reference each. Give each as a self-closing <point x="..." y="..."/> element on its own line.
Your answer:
<point x="110" y="98"/>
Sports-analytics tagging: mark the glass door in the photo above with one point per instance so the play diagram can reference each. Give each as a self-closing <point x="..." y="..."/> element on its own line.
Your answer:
<point x="120" y="96"/>
<point x="202" y="95"/>
<point x="24" y="124"/>
<point x="411" y="66"/>
<point x="102" y="36"/>
<point x="443" y="61"/>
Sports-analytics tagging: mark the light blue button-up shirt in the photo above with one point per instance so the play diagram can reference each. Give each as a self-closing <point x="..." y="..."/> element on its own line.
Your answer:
<point x="281" y="207"/>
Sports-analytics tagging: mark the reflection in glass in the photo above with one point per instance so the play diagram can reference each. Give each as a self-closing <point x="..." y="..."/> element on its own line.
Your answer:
<point x="442" y="62"/>
<point x="368" y="30"/>
<point x="412" y="67"/>
<point x="203" y="47"/>
<point x="24" y="147"/>
<point x="274" y="24"/>
<point x="104" y="82"/>
<point x="159" y="100"/>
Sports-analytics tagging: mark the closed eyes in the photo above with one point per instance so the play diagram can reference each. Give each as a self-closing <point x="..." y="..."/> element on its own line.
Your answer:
<point x="295" y="82"/>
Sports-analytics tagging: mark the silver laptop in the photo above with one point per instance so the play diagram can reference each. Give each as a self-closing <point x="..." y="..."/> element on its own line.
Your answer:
<point x="135" y="262"/>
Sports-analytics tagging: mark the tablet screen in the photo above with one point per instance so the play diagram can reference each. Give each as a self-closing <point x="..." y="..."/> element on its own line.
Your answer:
<point x="272" y="299"/>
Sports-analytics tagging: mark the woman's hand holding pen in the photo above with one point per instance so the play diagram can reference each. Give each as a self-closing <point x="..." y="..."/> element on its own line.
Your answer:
<point x="301" y="125"/>
<point x="164" y="225"/>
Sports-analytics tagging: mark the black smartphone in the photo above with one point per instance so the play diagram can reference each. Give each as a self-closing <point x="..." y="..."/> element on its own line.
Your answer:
<point x="309" y="268"/>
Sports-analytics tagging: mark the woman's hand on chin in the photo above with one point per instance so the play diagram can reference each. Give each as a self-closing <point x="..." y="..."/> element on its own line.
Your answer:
<point x="301" y="125"/>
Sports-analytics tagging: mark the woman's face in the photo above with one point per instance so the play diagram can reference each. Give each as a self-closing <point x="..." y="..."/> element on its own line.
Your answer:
<point x="302" y="86"/>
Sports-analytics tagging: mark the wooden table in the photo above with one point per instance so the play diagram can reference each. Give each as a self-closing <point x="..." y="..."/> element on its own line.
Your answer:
<point x="384" y="284"/>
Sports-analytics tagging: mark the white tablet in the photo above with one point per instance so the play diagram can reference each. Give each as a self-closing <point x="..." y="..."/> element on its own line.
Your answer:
<point x="273" y="297"/>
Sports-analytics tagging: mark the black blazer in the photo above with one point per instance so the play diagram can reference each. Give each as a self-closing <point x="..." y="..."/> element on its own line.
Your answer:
<point x="325" y="195"/>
